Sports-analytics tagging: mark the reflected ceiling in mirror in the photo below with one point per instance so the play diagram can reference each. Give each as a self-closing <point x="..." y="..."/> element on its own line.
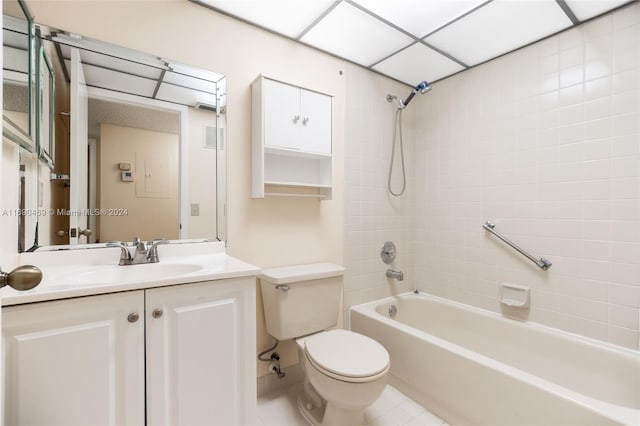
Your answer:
<point x="101" y="111"/>
<point x="127" y="71"/>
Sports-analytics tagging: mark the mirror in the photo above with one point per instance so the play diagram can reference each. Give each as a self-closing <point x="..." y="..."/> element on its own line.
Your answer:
<point x="18" y="69"/>
<point x="136" y="145"/>
<point x="18" y="118"/>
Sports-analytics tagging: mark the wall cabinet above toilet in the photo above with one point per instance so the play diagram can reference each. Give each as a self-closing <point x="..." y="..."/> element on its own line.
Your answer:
<point x="296" y="118"/>
<point x="291" y="138"/>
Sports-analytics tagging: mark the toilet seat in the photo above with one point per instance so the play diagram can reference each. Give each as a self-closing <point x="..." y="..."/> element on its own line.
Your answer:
<point x="347" y="356"/>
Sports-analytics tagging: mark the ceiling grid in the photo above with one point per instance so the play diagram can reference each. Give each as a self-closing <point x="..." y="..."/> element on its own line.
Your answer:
<point x="385" y="36"/>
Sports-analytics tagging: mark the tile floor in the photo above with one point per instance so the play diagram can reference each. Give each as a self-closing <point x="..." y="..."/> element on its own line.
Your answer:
<point x="392" y="408"/>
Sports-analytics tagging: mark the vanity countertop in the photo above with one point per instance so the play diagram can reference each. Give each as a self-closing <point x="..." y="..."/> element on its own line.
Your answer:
<point x="86" y="272"/>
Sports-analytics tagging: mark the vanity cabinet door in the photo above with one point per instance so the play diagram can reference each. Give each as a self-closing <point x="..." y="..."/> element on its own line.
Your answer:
<point x="200" y="356"/>
<point x="75" y="362"/>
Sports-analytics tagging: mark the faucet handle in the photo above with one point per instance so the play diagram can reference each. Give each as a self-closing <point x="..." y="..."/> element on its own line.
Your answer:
<point x="125" y="256"/>
<point x="152" y="256"/>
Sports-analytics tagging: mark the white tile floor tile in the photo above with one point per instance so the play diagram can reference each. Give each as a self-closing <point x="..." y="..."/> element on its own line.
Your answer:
<point x="392" y="408"/>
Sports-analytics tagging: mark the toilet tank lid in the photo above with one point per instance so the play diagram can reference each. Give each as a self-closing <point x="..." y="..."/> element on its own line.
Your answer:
<point x="290" y="274"/>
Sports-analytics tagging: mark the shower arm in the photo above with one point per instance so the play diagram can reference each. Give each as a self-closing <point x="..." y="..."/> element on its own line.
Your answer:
<point x="421" y="88"/>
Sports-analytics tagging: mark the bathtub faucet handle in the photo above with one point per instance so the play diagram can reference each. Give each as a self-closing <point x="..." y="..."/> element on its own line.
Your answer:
<point x="395" y="274"/>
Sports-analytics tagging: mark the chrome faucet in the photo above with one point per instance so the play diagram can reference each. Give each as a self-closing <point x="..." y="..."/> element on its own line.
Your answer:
<point x="395" y="274"/>
<point x="145" y="252"/>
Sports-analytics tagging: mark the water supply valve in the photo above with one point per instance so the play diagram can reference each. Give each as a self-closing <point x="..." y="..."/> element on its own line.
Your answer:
<point x="274" y="365"/>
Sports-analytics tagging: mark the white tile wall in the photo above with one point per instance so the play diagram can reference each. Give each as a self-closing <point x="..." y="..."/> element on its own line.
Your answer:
<point x="546" y="143"/>
<point x="371" y="215"/>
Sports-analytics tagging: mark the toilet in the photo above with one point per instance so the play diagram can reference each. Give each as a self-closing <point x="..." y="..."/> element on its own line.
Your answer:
<point x="345" y="372"/>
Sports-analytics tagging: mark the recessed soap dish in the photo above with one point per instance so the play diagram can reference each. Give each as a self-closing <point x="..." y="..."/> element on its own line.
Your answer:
<point x="514" y="296"/>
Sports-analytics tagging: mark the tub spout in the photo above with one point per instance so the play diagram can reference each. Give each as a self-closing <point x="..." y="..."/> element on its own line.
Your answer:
<point x="395" y="274"/>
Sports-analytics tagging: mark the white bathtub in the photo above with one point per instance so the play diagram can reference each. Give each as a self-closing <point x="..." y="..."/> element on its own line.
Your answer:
<point x="472" y="366"/>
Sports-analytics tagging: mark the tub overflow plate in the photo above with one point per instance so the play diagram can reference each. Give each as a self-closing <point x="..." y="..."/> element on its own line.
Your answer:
<point x="393" y="311"/>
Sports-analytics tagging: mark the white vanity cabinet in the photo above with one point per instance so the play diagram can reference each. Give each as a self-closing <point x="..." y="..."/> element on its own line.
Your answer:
<point x="292" y="138"/>
<point x="201" y="346"/>
<point x="74" y="361"/>
<point x="187" y="359"/>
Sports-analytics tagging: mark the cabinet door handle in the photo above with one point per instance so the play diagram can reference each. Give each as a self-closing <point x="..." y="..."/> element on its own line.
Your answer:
<point x="157" y="313"/>
<point x="305" y="120"/>
<point x="133" y="317"/>
<point x="296" y="118"/>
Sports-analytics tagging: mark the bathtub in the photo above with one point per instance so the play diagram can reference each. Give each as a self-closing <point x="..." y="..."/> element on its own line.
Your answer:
<point x="472" y="366"/>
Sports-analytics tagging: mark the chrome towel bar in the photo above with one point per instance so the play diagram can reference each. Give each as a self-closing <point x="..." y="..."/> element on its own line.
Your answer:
<point x="542" y="262"/>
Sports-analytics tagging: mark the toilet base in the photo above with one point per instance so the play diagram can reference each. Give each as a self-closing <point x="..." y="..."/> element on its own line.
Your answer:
<point x="325" y="414"/>
<point x="311" y="413"/>
<point x="310" y="404"/>
<point x="335" y="415"/>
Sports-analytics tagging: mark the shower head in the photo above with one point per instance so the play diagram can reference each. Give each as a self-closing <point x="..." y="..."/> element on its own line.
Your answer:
<point x="421" y="88"/>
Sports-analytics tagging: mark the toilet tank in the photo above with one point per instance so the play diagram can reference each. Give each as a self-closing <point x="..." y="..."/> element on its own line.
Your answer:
<point x="301" y="299"/>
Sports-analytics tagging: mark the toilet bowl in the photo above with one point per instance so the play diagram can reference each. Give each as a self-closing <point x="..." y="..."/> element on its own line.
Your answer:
<point x="347" y="370"/>
<point x="344" y="371"/>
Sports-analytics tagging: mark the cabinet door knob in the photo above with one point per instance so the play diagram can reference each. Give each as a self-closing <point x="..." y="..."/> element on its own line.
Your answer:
<point x="133" y="317"/>
<point x="305" y="120"/>
<point x="296" y="118"/>
<point x="157" y="313"/>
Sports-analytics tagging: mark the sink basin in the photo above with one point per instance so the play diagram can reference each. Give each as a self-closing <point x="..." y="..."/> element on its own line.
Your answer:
<point x="134" y="273"/>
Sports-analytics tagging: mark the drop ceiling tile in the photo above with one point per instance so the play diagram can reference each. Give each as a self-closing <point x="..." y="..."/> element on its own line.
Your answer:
<point x="199" y="73"/>
<point x="355" y="35"/>
<point x="499" y="27"/>
<point x="115" y="63"/>
<point x="418" y="63"/>
<point x="588" y="9"/>
<point x="175" y="94"/>
<point x="90" y="45"/>
<point x="120" y="82"/>
<point x="287" y="17"/>
<point x="417" y="16"/>
<point x="15" y="39"/>
<point x="15" y="60"/>
<point x="190" y="82"/>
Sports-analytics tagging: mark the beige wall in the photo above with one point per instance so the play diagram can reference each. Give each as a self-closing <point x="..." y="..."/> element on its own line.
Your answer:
<point x="149" y="215"/>
<point x="265" y="232"/>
